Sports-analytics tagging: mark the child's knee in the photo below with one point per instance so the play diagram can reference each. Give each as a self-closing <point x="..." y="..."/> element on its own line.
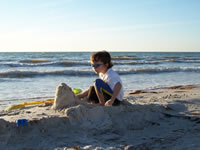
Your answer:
<point x="98" y="84"/>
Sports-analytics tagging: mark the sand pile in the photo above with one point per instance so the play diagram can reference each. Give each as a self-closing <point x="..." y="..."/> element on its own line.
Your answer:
<point x="76" y="125"/>
<point x="64" y="97"/>
<point x="125" y="116"/>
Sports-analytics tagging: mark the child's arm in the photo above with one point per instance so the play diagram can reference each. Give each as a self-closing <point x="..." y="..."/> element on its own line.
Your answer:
<point x="116" y="91"/>
<point x="83" y="94"/>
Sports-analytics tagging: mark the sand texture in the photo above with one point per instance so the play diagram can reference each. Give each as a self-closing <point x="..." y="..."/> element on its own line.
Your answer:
<point x="167" y="118"/>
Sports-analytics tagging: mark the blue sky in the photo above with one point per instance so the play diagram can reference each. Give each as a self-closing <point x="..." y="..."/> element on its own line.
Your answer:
<point x="91" y="25"/>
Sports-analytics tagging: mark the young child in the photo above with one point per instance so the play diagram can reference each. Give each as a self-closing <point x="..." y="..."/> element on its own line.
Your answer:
<point x="107" y="90"/>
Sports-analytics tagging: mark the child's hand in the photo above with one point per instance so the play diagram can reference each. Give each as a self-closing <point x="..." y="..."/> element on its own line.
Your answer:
<point x="109" y="103"/>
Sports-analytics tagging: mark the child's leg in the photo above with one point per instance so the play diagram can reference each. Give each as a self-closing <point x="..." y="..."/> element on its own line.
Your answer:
<point x="92" y="96"/>
<point x="105" y="91"/>
<point x="101" y="89"/>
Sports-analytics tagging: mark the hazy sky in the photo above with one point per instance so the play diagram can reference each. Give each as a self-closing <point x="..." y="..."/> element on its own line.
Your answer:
<point x="87" y="25"/>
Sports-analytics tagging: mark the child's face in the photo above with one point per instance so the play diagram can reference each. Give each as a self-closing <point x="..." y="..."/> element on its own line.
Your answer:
<point x="99" y="67"/>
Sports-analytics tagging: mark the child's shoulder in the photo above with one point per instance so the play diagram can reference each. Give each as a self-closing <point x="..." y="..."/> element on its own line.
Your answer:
<point x="111" y="72"/>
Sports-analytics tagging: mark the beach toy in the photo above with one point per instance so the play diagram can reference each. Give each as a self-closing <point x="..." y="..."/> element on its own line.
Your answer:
<point x="77" y="90"/>
<point x="13" y="107"/>
<point x="37" y="102"/>
<point x="22" y="122"/>
<point x="22" y="105"/>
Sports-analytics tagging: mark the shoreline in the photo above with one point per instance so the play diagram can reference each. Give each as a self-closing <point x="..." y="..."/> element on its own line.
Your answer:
<point x="164" y="118"/>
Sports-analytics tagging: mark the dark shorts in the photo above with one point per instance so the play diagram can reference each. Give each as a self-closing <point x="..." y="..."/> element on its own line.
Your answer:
<point x="102" y="88"/>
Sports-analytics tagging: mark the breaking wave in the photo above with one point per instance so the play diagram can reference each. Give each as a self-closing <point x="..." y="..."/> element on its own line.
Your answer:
<point x="45" y="63"/>
<point x="89" y="72"/>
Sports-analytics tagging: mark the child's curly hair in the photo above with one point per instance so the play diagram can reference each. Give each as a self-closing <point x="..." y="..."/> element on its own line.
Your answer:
<point x="103" y="56"/>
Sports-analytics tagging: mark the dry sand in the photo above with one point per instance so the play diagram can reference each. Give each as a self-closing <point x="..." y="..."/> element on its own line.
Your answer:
<point x="167" y="118"/>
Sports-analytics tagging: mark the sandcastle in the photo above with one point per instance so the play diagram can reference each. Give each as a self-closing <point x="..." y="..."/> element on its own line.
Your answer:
<point x="64" y="97"/>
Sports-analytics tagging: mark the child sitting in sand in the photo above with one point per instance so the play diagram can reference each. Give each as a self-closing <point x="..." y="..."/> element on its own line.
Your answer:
<point x="107" y="90"/>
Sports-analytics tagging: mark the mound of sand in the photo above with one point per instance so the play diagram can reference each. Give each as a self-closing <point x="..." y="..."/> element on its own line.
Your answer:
<point x="64" y="97"/>
<point x="125" y="116"/>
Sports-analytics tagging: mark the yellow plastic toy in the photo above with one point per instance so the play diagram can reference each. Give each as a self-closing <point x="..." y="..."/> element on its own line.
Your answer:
<point x="77" y="90"/>
<point x="22" y="105"/>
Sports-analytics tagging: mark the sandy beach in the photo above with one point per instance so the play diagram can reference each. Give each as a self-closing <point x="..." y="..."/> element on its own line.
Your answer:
<point x="166" y="118"/>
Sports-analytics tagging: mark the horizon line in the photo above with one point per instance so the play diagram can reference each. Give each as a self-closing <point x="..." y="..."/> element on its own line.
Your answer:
<point x="103" y="50"/>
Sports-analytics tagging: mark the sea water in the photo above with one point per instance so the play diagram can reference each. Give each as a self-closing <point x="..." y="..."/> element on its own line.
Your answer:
<point x="31" y="76"/>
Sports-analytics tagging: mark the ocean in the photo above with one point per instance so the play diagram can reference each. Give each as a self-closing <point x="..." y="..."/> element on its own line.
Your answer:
<point x="32" y="76"/>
